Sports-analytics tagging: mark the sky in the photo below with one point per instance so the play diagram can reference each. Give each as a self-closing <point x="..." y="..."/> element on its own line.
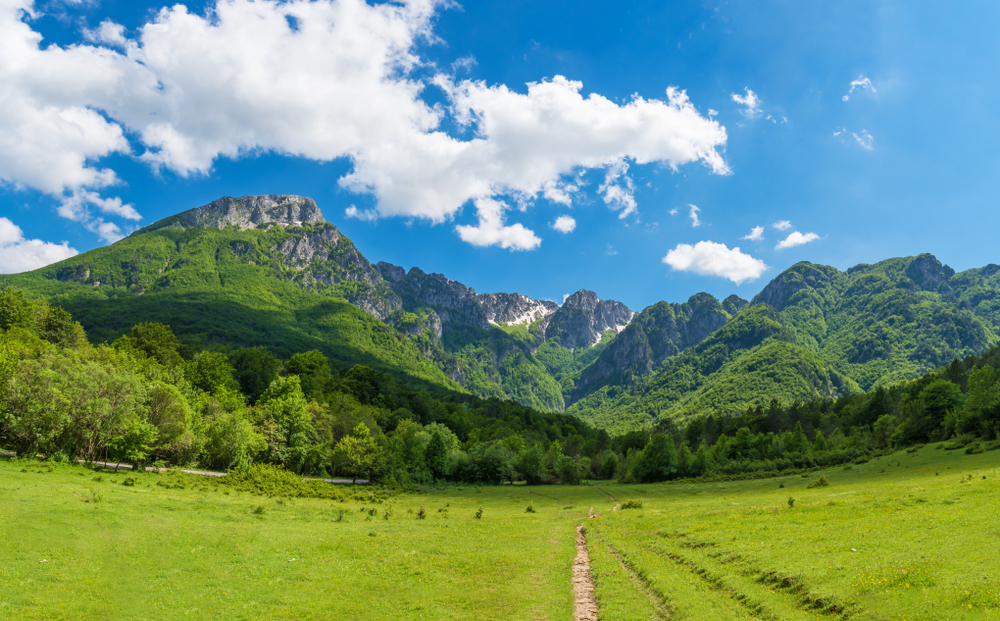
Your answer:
<point x="643" y="150"/>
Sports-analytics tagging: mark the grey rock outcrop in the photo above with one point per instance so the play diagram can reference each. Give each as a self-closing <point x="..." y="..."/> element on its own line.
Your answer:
<point x="246" y="212"/>
<point x="583" y="318"/>
<point x="454" y="302"/>
<point x="657" y="333"/>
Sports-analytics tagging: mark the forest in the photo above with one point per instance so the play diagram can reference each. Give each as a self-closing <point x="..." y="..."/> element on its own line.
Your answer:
<point x="148" y="399"/>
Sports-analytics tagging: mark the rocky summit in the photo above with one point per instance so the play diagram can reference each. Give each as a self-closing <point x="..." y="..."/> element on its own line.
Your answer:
<point x="246" y="212"/>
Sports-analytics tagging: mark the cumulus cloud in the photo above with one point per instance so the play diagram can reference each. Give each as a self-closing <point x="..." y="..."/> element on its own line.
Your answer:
<point x="673" y="211"/>
<point x="564" y="224"/>
<point x="782" y="225"/>
<point x="796" y="239"/>
<point x="864" y="139"/>
<point x="618" y="189"/>
<point x="322" y="79"/>
<point x="861" y="83"/>
<point x="18" y="254"/>
<point x="711" y="259"/>
<point x="693" y="214"/>
<point x="750" y="103"/>
<point x="367" y="215"/>
<point x="611" y="251"/>
<point x="756" y="234"/>
<point x="491" y="230"/>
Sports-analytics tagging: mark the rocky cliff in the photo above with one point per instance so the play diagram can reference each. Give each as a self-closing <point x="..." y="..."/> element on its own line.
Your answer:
<point x="246" y="212"/>
<point x="454" y="302"/>
<point x="657" y="333"/>
<point x="583" y="319"/>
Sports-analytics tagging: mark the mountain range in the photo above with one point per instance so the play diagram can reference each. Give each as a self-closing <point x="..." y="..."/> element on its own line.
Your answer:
<point x="270" y="271"/>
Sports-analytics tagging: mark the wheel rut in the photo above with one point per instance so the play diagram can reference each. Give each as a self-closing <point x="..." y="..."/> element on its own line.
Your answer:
<point x="584" y="602"/>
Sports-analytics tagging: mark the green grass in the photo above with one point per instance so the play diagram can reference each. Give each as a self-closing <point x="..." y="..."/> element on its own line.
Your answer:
<point x="907" y="536"/>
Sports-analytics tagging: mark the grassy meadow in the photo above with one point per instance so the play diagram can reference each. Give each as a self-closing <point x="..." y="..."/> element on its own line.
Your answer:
<point x="908" y="536"/>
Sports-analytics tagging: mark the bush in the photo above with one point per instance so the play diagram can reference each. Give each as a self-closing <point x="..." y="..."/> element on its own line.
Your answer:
<point x="820" y="482"/>
<point x="632" y="504"/>
<point x="973" y="449"/>
<point x="268" y="480"/>
<point x="530" y="509"/>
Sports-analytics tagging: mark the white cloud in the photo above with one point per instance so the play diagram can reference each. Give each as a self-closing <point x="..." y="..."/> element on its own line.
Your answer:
<point x="618" y="190"/>
<point x="756" y="234"/>
<point x="18" y="254"/>
<point x="611" y="251"/>
<point x="108" y="33"/>
<point x="864" y="139"/>
<point x="861" y="83"/>
<point x="711" y="259"/>
<point x="239" y="79"/>
<point x="564" y="224"/>
<point x="782" y="225"/>
<point x="796" y="239"/>
<point x="693" y="214"/>
<point x="492" y="232"/>
<point x="368" y="215"/>
<point x="673" y="211"/>
<point x="750" y="103"/>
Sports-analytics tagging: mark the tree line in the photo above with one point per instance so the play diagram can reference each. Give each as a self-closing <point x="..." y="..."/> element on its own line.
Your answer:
<point x="147" y="398"/>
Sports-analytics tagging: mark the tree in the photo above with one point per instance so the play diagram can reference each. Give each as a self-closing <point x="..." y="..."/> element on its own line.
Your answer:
<point x="313" y="370"/>
<point x="282" y="412"/>
<point x="684" y="460"/>
<point x="170" y="413"/>
<point x="700" y="463"/>
<point x="436" y="455"/>
<point x="358" y="453"/>
<point x="659" y="459"/>
<point x="530" y="464"/>
<point x="567" y="470"/>
<point x="254" y="368"/>
<point x="210" y="372"/>
<point x="156" y="341"/>
<point x="15" y="310"/>
<point x="231" y="441"/>
<point x="57" y="327"/>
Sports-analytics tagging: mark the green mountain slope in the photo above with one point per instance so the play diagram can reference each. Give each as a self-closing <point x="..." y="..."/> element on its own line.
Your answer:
<point x="240" y="288"/>
<point x="749" y="361"/>
<point x="894" y="320"/>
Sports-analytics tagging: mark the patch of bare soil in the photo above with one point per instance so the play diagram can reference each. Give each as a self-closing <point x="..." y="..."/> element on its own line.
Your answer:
<point x="585" y="605"/>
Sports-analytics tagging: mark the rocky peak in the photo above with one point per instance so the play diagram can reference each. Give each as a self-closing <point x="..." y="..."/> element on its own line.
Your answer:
<point x="514" y="308"/>
<point x="392" y="273"/>
<point x="929" y="274"/>
<point x="583" y="318"/>
<point x="246" y="212"/>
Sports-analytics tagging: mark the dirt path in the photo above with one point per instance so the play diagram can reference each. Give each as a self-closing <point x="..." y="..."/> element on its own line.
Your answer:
<point x="584" y="603"/>
<point x="617" y="504"/>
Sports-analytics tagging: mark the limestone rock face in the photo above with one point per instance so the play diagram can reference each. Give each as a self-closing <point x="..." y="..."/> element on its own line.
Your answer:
<point x="514" y="308"/>
<point x="930" y="275"/>
<point x="583" y="318"/>
<point x="246" y="212"/>
<point x="454" y="302"/>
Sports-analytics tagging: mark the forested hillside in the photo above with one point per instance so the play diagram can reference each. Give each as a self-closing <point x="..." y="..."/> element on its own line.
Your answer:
<point x="269" y="271"/>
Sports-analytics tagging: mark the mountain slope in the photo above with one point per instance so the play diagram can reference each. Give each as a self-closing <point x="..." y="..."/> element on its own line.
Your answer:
<point x="281" y="282"/>
<point x="747" y="362"/>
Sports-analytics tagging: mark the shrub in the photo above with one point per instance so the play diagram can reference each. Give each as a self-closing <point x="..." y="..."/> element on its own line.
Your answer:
<point x="530" y="509"/>
<point x="820" y="482"/>
<point x="973" y="449"/>
<point x="632" y="504"/>
<point x="479" y="514"/>
<point x="791" y="502"/>
<point x="422" y="513"/>
<point x="258" y="510"/>
<point x="128" y="482"/>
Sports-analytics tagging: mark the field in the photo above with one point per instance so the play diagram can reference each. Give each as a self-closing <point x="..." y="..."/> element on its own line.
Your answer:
<point x="908" y="536"/>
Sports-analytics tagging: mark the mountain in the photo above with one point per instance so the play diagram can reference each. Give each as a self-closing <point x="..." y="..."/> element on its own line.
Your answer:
<point x="269" y="270"/>
<point x="747" y="362"/>
<point x="812" y="332"/>
<point x="262" y="270"/>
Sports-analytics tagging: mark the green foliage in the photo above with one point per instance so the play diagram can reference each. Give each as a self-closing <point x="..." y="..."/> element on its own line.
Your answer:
<point x="358" y="453"/>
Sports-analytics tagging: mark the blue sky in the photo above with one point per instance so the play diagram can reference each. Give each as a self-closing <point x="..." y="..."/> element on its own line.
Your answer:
<point x="868" y="127"/>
